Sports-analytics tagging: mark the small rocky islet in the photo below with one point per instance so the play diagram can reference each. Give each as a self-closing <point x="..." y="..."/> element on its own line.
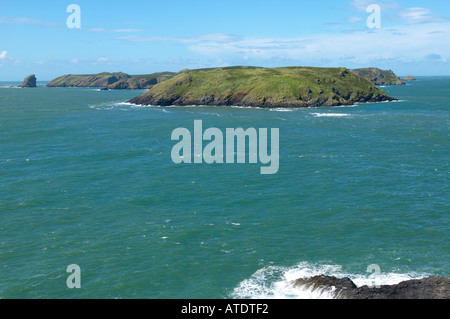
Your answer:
<point x="409" y="78"/>
<point x="29" y="82"/>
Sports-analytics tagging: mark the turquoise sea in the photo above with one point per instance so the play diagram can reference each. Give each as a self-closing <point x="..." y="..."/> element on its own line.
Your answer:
<point x="88" y="179"/>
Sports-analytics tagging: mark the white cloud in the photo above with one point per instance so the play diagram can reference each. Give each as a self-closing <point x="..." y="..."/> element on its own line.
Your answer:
<point x="102" y="61"/>
<point x="100" y="30"/>
<point x="418" y="15"/>
<point x="217" y="37"/>
<point x="353" y="20"/>
<point x="386" y="5"/>
<point x="27" y="21"/>
<point x="407" y="43"/>
<point x="6" y="59"/>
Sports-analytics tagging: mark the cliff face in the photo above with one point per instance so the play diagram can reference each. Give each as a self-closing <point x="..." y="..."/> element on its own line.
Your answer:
<point x="263" y="87"/>
<point x="434" y="287"/>
<point x="137" y="82"/>
<point x="378" y="76"/>
<point x="89" y="80"/>
<point x="29" y="82"/>
<point x="113" y="81"/>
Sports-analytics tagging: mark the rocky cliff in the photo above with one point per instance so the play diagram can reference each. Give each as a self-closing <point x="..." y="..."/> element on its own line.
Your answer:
<point x="137" y="82"/>
<point x="29" y="82"/>
<point x="111" y="81"/>
<point x="434" y="287"/>
<point x="88" y="80"/>
<point x="378" y="76"/>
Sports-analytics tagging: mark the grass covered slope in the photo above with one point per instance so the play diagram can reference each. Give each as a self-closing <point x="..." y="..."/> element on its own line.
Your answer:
<point x="264" y="87"/>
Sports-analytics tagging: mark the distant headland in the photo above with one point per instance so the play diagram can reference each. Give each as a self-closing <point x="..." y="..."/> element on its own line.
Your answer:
<point x="379" y="77"/>
<point x="111" y="81"/>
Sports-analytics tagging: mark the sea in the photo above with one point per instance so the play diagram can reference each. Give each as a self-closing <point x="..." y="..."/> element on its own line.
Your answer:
<point x="87" y="179"/>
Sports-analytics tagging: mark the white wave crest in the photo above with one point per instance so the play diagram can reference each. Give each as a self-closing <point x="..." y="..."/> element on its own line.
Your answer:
<point x="118" y="105"/>
<point x="330" y="114"/>
<point x="281" y="110"/>
<point x="275" y="282"/>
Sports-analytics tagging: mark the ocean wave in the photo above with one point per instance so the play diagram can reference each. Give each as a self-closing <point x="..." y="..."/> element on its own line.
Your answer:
<point x="274" y="282"/>
<point x="281" y="110"/>
<point x="245" y="107"/>
<point x="9" y="87"/>
<point x="126" y="106"/>
<point x="330" y="114"/>
<point x="398" y="101"/>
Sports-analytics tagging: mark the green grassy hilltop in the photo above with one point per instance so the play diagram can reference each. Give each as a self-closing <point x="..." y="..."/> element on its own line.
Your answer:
<point x="264" y="87"/>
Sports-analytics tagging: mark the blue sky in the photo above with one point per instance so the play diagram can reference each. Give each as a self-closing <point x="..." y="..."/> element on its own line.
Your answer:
<point x="139" y="37"/>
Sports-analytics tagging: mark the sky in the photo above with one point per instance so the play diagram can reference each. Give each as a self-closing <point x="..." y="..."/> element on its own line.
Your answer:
<point x="141" y="37"/>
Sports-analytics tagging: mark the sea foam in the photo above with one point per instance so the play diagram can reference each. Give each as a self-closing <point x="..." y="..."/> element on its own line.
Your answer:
<point x="275" y="282"/>
<point x="330" y="114"/>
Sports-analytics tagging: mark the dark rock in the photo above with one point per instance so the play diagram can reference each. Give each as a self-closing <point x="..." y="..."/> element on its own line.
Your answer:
<point x="434" y="287"/>
<point x="29" y="82"/>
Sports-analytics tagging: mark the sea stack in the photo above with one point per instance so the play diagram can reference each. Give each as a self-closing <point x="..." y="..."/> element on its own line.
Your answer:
<point x="29" y="82"/>
<point x="409" y="78"/>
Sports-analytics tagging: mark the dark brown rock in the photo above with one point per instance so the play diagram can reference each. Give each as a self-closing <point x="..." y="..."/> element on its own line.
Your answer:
<point x="434" y="287"/>
<point x="29" y="82"/>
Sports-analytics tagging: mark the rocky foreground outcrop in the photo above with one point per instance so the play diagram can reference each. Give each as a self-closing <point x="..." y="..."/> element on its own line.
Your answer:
<point x="29" y="82"/>
<point x="434" y="287"/>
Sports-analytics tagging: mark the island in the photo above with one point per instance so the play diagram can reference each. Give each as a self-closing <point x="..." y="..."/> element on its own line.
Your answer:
<point x="379" y="77"/>
<point x="285" y="87"/>
<point x="111" y="81"/>
<point x="29" y="82"/>
<point x="409" y="78"/>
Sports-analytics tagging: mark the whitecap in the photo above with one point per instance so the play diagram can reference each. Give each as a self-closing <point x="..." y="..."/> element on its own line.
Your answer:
<point x="281" y="110"/>
<point x="330" y="114"/>
<point x="276" y="282"/>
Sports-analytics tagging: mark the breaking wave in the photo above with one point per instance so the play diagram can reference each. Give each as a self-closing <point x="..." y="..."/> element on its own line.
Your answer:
<point x="274" y="282"/>
<point x="330" y="114"/>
